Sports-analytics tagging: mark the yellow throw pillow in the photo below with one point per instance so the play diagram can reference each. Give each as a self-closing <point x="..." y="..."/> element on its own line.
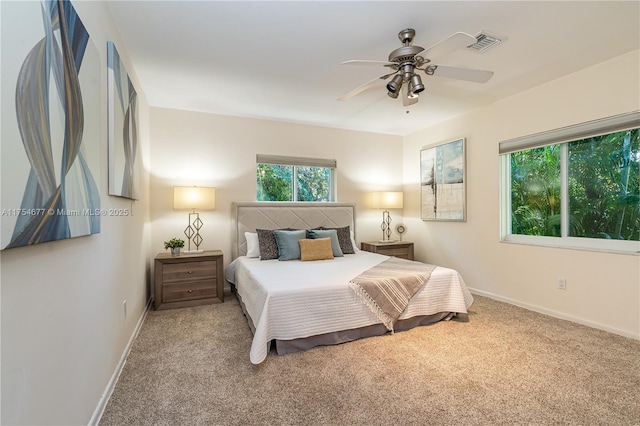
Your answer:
<point x="319" y="249"/>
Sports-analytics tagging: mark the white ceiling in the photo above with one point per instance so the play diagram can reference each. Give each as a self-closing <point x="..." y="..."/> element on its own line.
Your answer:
<point x="281" y="60"/>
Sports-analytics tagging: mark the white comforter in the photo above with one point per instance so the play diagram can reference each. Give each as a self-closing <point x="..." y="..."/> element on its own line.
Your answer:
<point x="294" y="299"/>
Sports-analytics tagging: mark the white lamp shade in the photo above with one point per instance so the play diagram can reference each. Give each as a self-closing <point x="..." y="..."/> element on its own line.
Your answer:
<point x="194" y="198"/>
<point x="386" y="200"/>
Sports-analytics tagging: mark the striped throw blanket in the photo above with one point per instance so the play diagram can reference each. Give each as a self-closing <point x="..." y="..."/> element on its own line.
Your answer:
<point x="387" y="287"/>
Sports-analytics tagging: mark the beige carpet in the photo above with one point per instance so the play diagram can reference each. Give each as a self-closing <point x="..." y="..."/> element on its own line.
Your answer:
<point x="506" y="365"/>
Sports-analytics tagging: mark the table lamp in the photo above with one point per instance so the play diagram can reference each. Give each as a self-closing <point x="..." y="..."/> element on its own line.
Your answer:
<point x="386" y="201"/>
<point x="194" y="198"/>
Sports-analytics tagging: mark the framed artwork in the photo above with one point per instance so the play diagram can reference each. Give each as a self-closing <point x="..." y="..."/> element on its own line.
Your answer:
<point x="50" y="156"/>
<point x="123" y="127"/>
<point x="442" y="182"/>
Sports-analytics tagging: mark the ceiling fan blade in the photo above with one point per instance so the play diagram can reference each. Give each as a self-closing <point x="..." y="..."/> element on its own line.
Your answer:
<point x="406" y="99"/>
<point x="448" y="45"/>
<point x="467" y="74"/>
<point x="364" y="62"/>
<point x="362" y="88"/>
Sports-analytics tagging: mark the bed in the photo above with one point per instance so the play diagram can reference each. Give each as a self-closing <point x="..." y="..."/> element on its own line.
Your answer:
<point x="298" y="304"/>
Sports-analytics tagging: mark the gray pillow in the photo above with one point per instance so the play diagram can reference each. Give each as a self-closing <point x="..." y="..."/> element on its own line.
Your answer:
<point x="288" y="243"/>
<point x="314" y="234"/>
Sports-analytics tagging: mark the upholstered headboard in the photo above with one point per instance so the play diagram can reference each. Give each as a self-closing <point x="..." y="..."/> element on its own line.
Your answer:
<point x="249" y="216"/>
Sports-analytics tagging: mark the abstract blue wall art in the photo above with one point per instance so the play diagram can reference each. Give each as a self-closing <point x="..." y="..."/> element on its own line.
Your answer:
<point x="123" y="127"/>
<point x="442" y="182"/>
<point x="51" y="127"/>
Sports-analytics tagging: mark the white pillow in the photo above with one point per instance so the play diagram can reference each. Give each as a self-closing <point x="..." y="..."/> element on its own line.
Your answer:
<point x="353" y="243"/>
<point x="253" y="249"/>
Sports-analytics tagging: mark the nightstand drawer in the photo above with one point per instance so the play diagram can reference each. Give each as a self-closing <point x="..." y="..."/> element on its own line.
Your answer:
<point x="188" y="291"/>
<point x="402" y="252"/>
<point x="402" y="249"/>
<point x="188" y="271"/>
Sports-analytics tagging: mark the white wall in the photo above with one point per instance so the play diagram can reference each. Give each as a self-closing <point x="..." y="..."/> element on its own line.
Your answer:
<point x="603" y="289"/>
<point x="192" y="148"/>
<point x="63" y="327"/>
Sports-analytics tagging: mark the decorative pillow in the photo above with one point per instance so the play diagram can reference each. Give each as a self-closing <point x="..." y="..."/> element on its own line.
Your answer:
<point x="253" y="247"/>
<point x="353" y="243"/>
<point x="344" y="237"/>
<point x="316" y="249"/>
<point x="267" y="244"/>
<point x="287" y="242"/>
<point x="328" y="233"/>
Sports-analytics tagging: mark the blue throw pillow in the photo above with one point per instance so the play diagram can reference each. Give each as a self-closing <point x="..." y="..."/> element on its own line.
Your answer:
<point x="344" y="237"/>
<point x="288" y="245"/>
<point x="328" y="233"/>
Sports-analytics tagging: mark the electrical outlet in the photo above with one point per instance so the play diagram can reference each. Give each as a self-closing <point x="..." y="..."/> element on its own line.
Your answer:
<point x="562" y="283"/>
<point x="124" y="309"/>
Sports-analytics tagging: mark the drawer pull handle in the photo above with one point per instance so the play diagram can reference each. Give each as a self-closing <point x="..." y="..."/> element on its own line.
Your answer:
<point x="189" y="272"/>
<point x="190" y="291"/>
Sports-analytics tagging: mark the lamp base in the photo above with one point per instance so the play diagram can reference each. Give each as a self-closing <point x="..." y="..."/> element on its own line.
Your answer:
<point x="387" y="241"/>
<point x="192" y="232"/>
<point x="386" y="227"/>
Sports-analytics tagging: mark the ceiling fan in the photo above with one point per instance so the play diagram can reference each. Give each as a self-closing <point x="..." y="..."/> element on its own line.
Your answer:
<point x="406" y="60"/>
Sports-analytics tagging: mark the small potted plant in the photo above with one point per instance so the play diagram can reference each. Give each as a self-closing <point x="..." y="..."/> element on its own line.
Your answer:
<point x="175" y="244"/>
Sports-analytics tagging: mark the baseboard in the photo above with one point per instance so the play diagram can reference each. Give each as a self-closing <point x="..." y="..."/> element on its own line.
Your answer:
<point x="556" y="314"/>
<point x="102" y="403"/>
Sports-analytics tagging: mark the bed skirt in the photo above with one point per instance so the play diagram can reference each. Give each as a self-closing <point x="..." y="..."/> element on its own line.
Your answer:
<point x="338" y="337"/>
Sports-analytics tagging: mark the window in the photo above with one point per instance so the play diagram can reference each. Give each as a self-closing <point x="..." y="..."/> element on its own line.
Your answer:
<point x="294" y="179"/>
<point x="574" y="187"/>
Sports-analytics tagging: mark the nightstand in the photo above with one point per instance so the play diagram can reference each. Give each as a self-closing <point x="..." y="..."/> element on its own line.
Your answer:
<point x="394" y="248"/>
<point x="188" y="280"/>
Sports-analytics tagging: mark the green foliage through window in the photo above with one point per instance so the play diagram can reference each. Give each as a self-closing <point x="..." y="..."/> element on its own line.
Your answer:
<point x="276" y="182"/>
<point x="313" y="183"/>
<point x="602" y="187"/>
<point x="535" y="191"/>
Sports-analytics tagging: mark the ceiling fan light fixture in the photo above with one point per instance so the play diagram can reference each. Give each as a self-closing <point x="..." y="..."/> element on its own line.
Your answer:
<point x="415" y="84"/>
<point x="405" y="61"/>
<point x="395" y="84"/>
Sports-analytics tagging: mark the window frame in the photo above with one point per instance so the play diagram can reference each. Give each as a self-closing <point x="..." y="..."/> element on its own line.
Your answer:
<point x="561" y="137"/>
<point x="295" y="162"/>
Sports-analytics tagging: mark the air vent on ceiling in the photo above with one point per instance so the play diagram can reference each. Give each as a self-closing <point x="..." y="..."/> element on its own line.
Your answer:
<point x="485" y="41"/>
